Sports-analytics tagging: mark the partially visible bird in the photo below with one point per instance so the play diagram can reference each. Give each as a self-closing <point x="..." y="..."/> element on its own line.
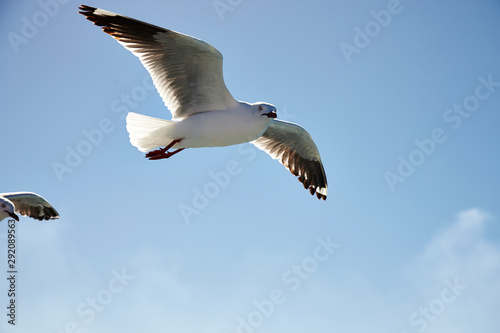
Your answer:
<point x="27" y="204"/>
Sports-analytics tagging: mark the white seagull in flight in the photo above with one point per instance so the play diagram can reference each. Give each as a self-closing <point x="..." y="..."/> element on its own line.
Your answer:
<point x="187" y="72"/>
<point x="27" y="204"/>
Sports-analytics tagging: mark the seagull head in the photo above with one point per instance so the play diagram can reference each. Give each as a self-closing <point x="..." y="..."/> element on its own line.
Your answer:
<point x="265" y="110"/>
<point x="7" y="209"/>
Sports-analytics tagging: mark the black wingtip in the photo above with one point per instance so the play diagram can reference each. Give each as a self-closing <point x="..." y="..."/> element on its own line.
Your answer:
<point x="86" y="10"/>
<point x="321" y="196"/>
<point x="312" y="189"/>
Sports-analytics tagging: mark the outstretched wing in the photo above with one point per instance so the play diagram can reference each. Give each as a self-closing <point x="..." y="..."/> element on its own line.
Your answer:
<point x="32" y="205"/>
<point x="186" y="71"/>
<point x="295" y="149"/>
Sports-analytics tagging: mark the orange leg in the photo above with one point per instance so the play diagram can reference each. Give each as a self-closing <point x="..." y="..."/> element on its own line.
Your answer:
<point x="163" y="152"/>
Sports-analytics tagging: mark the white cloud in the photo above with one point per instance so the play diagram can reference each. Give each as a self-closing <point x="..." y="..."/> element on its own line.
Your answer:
<point x="452" y="285"/>
<point x="460" y="253"/>
<point x="461" y="249"/>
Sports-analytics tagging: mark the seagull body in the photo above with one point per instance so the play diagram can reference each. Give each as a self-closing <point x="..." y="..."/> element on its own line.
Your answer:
<point x="187" y="72"/>
<point x="216" y="128"/>
<point x="27" y="204"/>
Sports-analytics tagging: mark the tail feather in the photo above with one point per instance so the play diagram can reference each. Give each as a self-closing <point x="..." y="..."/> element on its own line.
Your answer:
<point x="143" y="131"/>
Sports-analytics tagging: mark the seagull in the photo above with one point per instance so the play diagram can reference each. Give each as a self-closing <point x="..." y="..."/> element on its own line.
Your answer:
<point x="27" y="204"/>
<point x="187" y="73"/>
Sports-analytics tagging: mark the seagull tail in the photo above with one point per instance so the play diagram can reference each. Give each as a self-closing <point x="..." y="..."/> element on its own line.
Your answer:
<point x="143" y="133"/>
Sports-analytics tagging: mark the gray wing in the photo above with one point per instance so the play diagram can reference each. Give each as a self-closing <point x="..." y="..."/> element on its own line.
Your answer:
<point x="32" y="205"/>
<point x="186" y="71"/>
<point x="295" y="149"/>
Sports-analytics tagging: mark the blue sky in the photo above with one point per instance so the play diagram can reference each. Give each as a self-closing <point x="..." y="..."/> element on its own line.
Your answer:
<point x="401" y="99"/>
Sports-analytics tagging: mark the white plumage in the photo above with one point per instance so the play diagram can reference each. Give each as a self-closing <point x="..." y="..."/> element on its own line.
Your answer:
<point x="187" y="72"/>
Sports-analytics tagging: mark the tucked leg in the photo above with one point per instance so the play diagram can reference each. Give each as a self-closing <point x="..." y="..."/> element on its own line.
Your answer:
<point x="163" y="152"/>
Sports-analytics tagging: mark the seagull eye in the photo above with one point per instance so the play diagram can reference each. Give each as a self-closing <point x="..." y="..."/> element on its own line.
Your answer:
<point x="260" y="108"/>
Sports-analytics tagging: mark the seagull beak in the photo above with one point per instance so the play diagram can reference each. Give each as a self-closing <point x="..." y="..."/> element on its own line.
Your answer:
<point x="14" y="216"/>
<point x="271" y="114"/>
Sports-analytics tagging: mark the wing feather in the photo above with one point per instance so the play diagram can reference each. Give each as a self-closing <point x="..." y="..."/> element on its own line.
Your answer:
<point x="186" y="71"/>
<point x="291" y="145"/>
<point x="32" y="205"/>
